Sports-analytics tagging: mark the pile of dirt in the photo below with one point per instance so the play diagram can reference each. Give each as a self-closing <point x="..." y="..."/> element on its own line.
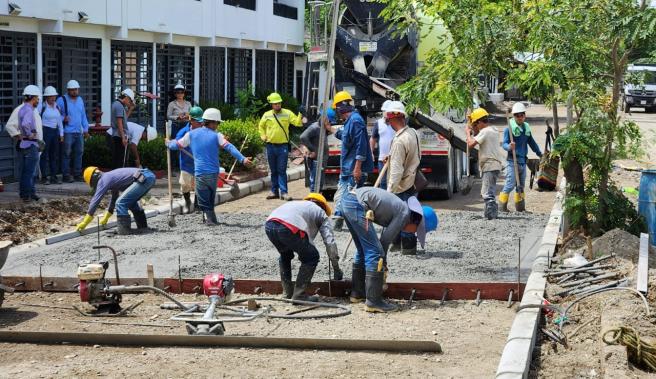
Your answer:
<point x="622" y="244"/>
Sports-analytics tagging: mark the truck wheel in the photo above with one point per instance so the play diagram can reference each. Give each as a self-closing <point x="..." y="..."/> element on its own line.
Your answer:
<point x="448" y="192"/>
<point x="328" y="194"/>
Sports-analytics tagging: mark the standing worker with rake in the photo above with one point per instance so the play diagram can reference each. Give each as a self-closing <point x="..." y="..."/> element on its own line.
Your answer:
<point x="187" y="161"/>
<point x="517" y="146"/>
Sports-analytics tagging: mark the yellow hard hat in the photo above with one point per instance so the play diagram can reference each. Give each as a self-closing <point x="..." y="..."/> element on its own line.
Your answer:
<point x="341" y="96"/>
<point x="319" y="200"/>
<point x="274" y="98"/>
<point x="477" y="114"/>
<point x="89" y="174"/>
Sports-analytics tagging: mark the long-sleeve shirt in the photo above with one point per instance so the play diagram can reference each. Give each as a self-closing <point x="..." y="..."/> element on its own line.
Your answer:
<point x="13" y="128"/>
<point x="77" y="122"/>
<point x="355" y="145"/>
<point x="310" y="218"/>
<point x="389" y="211"/>
<point x="51" y="117"/>
<point x="205" y="144"/>
<point x="114" y="181"/>
<point x="27" y="126"/>
<point x="523" y="139"/>
<point x="310" y="138"/>
<point x="404" y="160"/>
<point x="271" y="132"/>
<point x="174" y="110"/>
<point x="186" y="162"/>
<point x="383" y="134"/>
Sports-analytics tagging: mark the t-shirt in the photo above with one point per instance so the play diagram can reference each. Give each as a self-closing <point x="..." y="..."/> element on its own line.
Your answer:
<point x="384" y="134"/>
<point x="490" y="155"/>
<point x="118" y="110"/>
<point x="134" y="132"/>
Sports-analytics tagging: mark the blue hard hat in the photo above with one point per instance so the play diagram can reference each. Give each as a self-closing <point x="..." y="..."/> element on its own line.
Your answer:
<point x="332" y="116"/>
<point x="430" y="218"/>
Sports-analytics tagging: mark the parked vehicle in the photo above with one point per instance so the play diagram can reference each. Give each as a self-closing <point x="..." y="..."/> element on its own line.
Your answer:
<point x="640" y="87"/>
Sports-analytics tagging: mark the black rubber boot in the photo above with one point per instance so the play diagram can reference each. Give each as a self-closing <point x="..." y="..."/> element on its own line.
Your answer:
<point x="303" y="279"/>
<point x="286" y="278"/>
<point x="375" y="302"/>
<point x="140" y="219"/>
<point x="491" y="210"/>
<point x="409" y="245"/>
<point x="123" y="225"/>
<point x="396" y="244"/>
<point x="186" y="209"/>
<point x="357" y="284"/>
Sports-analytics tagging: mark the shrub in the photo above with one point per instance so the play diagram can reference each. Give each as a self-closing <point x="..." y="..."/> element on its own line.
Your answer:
<point x="236" y="131"/>
<point x="227" y="110"/>
<point x="97" y="152"/>
<point x="153" y="154"/>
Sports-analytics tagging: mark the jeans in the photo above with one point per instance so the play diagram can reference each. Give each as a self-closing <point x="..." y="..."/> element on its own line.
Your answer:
<point x="383" y="182"/>
<point x="287" y="243"/>
<point x="345" y="184"/>
<point x="369" y="250"/>
<point x="489" y="185"/>
<point x="405" y="196"/>
<point x="277" y="155"/>
<point x="312" y="163"/>
<point x="206" y="191"/>
<point x="49" y="162"/>
<point x="29" y="163"/>
<point x="129" y="199"/>
<point x="73" y="150"/>
<point x="510" y="177"/>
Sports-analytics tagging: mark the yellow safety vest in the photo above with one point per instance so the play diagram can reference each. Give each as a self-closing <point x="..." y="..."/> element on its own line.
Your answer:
<point x="271" y="132"/>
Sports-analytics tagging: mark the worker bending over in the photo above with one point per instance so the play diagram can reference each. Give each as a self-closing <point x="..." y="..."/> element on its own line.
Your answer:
<point x="205" y="143"/>
<point x="127" y="186"/>
<point x="490" y="158"/>
<point x="310" y="139"/>
<point x="364" y="207"/>
<point x="187" y="160"/>
<point x="292" y="228"/>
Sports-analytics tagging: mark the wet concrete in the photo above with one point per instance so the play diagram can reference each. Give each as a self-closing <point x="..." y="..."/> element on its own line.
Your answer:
<point x="466" y="247"/>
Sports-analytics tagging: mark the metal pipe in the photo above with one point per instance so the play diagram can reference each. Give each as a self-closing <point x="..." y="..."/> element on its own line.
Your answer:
<point x="98" y="247"/>
<point x="577" y="270"/>
<point x="142" y="289"/>
<point x="209" y="313"/>
<point x="590" y="280"/>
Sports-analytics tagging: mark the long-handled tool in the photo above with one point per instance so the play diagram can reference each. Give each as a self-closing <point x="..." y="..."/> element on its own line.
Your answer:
<point x="520" y="204"/>
<point x="168" y="163"/>
<point x="234" y="190"/>
<point x="466" y="182"/>
<point x="235" y="162"/>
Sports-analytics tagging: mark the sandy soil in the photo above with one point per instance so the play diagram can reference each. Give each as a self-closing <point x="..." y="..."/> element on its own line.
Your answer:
<point x="458" y="326"/>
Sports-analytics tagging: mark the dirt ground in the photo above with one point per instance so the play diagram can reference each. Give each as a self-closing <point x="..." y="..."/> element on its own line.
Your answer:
<point x="458" y="326"/>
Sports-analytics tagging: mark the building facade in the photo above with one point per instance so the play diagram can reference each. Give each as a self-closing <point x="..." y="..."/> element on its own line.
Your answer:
<point x="213" y="47"/>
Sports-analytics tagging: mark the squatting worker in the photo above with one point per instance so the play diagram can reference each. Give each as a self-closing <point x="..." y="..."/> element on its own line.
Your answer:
<point x="490" y="157"/>
<point x="30" y="135"/>
<point x="178" y="109"/>
<point x="187" y="183"/>
<point x="382" y="136"/>
<point x="121" y="110"/>
<point x="76" y="129"/>
<point x="356" y="157"/>
<point x="403" y="161"/>
<point x="364" y="207"/>
<point x="523" y="138"/>
<point x="274" y="131"/>
<point x="127" y="186"/>
<point x="310" y="139"/>
<point x="205" y="143"/>
<point x="291" y="228"/>
<point x="53" y="136"/>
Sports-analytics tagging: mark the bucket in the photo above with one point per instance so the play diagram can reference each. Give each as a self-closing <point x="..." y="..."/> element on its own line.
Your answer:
<point x="647" y="201"/>
<point x="221" y="180"/>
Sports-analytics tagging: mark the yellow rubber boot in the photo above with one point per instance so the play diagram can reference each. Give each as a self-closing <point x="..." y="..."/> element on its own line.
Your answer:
<point x="503" y="202"/>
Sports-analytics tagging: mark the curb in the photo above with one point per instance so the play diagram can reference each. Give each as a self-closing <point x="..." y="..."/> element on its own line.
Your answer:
<point x="516" y="357"/>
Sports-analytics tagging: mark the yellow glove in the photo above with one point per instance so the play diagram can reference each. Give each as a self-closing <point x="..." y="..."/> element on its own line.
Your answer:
<point x="105" y="218"/>
<point x="87" y="219"/>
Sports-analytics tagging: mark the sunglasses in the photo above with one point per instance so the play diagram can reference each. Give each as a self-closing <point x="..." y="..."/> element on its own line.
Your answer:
<point x="484" y="119"/>
<point x="520" y="114"/>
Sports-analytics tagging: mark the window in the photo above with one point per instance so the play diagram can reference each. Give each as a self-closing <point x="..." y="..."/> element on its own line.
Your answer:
<point x="265" y="65"/>
<point x="212" y="74"/>
<point x="299" y="85"/>
<point x="246" y="4"/>
<point x="240" y="70"/>
<point x="132" y="67"/>
<point x="175" y="64"/>
<point x="286" y="11"/>
<point x="286" y="73"/>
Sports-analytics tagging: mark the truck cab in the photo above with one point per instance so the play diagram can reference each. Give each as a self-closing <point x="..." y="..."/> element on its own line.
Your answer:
<point x="640" y="87"/>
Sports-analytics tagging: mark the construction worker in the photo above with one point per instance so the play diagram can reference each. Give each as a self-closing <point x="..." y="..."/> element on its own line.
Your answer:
<point x="356" y="157"/>
<point x="205" y="143"/>
<point x="30" y="135"/>
<point x="490" y="158"/>
<point x="76" y="129"/>
<point x="274" y="131"/>
<point x="127" y="185"/>
<point x="121" y="110"/>
<point x="382" y="136"/>
<point x="292" y="228"/>
<point x="364" y="207"/>
<point x="53" y="136"/>
<point x="403" y="161"/>
<point x="522" y="139"/>
<point x="135" y="133"/>
<point x="187" y="161"/>
<point x="310" y="139"/>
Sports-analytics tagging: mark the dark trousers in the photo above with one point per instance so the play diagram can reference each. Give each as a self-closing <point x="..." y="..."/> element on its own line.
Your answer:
<point x="49" y="162"/>
<point x="288" y="243"/>
<point x="118" y="152"/>
<point x="277" y="155"/>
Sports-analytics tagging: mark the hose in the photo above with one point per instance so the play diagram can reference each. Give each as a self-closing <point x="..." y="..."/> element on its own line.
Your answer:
<point x="142" y="289"/>
<point x="640" y="352"/>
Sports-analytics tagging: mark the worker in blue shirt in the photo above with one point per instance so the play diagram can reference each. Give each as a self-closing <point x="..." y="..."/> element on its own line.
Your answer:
<point x="205" y="143"/>
<point x="356" y="157"/>
<point x="523" y="138"/>
<point x="76" y="128"/>
<point x="187" y="159"/>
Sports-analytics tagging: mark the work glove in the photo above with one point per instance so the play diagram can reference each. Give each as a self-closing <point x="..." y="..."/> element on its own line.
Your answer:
<point x="105" y="218"/>
<point x="81" y="226"/>
<point x="333" y="255"/>
<point x="339" y="275"/>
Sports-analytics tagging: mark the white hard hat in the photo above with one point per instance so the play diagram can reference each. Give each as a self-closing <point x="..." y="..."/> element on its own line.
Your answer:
<point x="385" y="105"/>
<point x="32" y="90"/>
<point x="50" y="91"/>
<point x="129" y="93"/>
<point x="151" y="133"/>
<point x="72" y="84"/>
<point x="212" y="114"/>
<point x="178" y="86"/>
<point x="396" y="107"/>
<point x="518" y="107"/>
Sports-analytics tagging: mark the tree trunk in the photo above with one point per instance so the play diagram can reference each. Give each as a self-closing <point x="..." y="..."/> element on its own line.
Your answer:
<point x="554" y="111"/>
<point x="578" y="214"/>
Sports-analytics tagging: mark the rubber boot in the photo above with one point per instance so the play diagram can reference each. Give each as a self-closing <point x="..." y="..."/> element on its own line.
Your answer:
<point x="396" y="245"/>
<point x="210" y="218"/>
<point x="303" y="279"/>
<point x="409" y="245"/>
<point x="375" y="303"/>
<point x="123" y="225"/>
<point x="286" y="278"/>
<point x="503" y="202"/>
<point x="357" y="284"/>
<point x="186" y="208"/>
<point x="140" y="219"/>
<point x="520" y="204"/>
<point x="491" y="210"/>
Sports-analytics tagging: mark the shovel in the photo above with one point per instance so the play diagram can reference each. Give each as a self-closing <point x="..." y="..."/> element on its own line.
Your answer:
<point x="520" y="206"/>
<point x="466" y="182"/>
<point x="168" y="163"/>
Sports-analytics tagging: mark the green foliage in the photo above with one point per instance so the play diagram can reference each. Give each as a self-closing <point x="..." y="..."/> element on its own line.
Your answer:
<point x="236" y="131"/>
<point x="621" y="213"/>
<point x="153" y="154"/>
<point x="97" y="152"/>
<point x="248" y="104"/>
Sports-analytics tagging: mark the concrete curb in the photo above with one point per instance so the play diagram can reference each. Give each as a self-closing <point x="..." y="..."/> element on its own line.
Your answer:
<point x="516" y="357"/>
